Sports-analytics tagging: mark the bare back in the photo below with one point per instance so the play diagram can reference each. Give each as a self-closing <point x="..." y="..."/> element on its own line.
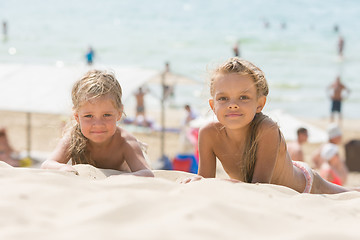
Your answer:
<point x="273" y="164"/>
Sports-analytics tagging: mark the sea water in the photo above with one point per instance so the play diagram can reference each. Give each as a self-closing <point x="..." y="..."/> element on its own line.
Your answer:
<point x="293" y="42"/>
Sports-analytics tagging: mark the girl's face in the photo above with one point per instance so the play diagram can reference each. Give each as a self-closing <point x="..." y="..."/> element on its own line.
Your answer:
<point x="97" y="119"/>
<point x="235" y="100"/>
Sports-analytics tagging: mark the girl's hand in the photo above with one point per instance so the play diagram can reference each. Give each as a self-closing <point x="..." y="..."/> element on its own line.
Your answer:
<point x="68" y="168"/>
<point x="51" y="164"/>
<point x="197" y="178"/>
<point x="191" y="179"/>
<point x="232" y="180"/>
<point x="143" y="173"/>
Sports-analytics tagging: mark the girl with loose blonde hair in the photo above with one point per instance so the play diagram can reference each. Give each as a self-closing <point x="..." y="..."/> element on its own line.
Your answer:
<point x="94" y="138"/>
<point x="249" y="144"/>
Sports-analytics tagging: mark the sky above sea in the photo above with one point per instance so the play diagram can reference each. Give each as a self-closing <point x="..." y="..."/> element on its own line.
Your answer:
<point x="293" y="42"/>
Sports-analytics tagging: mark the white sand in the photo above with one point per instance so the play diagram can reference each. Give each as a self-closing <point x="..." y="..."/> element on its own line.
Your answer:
<point x="44" y="204"/>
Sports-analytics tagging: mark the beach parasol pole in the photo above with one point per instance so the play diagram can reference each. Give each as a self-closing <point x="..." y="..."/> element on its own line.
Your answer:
<point x="28" y="134"/>
<point x="162" y="136"/>
<point x="165" y="94"/>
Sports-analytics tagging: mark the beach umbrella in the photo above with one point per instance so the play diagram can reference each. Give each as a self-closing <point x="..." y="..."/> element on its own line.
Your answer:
<point x="167" y="80"/>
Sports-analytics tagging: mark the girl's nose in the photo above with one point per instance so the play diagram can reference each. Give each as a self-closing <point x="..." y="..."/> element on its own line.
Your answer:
<point x="232" y="105"/>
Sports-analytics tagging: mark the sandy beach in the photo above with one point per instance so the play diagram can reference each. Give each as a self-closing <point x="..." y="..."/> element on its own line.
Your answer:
<point x="40" y="204"/>
<point x="46" y="204"/>
<point x="43" y="51"/>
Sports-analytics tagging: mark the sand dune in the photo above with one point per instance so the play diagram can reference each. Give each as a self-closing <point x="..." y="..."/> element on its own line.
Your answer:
<point x="48" y="204"/>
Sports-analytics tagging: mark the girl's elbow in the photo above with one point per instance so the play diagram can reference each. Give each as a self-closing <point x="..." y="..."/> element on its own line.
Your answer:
<point x="145" y="173"/>
<point x="260" y="180"/>
<point x="149" y="173"/>
<point x="50" y="164"/>
<point x="44" y="165"/>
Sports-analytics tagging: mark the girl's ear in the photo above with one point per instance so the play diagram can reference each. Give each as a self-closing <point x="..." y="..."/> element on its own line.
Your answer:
<point x="211" y="103"/>
<point x="261" y="104"/>
<point x="120" y="113"/>
<point x="76" y="116"/>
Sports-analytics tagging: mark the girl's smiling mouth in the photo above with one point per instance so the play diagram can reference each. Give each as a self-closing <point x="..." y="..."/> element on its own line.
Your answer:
<point x="233" y="115"/>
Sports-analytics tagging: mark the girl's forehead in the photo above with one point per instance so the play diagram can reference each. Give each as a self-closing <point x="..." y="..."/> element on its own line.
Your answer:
<point x="233" y="80"/>
<point x="104" y="100"/>
<point x="232" y="76"/>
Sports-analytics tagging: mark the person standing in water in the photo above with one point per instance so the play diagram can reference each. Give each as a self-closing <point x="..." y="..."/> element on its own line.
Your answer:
<point x="336" y="90"/>
<point x="341" y="44"/>
<point x="90" y="56"/>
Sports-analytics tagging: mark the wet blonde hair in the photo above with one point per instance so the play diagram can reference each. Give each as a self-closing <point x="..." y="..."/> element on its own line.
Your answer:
<point x="92" y="85"/>
<point x="244" y="67"/>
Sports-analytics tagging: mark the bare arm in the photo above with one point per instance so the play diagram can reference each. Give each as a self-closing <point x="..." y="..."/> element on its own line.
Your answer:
<point x="58" y="158"/>
<point x="135" y="159"/>
<point x="207" y="163"/>
<point x="267" y="152"/>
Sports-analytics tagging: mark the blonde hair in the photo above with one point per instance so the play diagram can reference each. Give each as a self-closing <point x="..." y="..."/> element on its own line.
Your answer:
<point x="244" y="67"/>
<point x="92" y="85"/>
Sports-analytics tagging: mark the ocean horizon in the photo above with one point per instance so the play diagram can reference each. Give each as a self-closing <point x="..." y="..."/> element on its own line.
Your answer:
<point x="297" y="52"/>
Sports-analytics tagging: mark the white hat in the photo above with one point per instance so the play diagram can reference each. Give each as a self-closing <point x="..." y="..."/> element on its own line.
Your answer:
<point x="328" y="151"/>
<point x="334" y="131"/>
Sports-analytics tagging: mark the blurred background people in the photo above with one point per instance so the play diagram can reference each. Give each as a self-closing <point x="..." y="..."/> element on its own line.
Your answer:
<point x="295" y="147"/>
<point x="6" y="151"/>
<point x="236" y="49"/>
<point x="4" y="30"/>
<point x="327" y="158"/>
<point x="341" y="44"/>
<point x="140" y="115"/>
<point x="190" y="114"/>
<point x="188" y="135"/>
<point x="90" y="54"/>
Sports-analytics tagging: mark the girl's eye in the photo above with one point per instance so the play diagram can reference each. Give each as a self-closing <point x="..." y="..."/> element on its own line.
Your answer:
<point x="88" y="116"/>
<point x="107" y="115"/>
<point x="222" y="98"/>
<point x="244" y="97"/>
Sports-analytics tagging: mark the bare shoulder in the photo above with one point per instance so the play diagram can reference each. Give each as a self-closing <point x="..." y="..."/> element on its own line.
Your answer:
<point x="125" y="134"/>
<point x="211" y="128"/>
<point x="269" y="126"/>
<point x="269" y="132"/>
<point x="210" y="135"/>
<point x="125" y="138"/>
